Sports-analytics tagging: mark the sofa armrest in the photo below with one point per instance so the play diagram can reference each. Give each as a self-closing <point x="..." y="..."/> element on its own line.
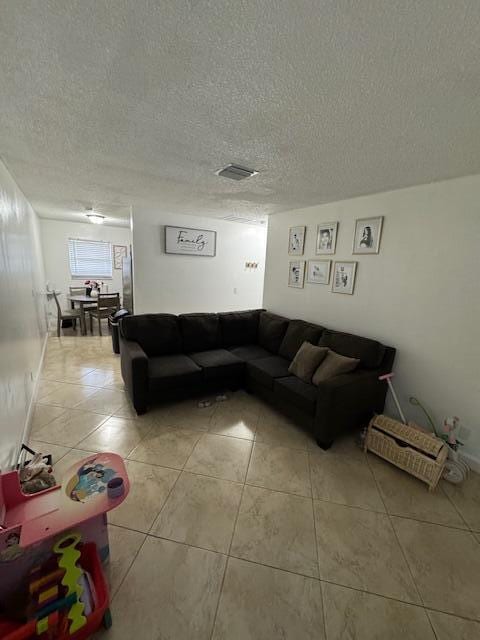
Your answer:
<point x="347" y="401"/>
<point x="349" y="383"/>
<point x="134" y="364"/>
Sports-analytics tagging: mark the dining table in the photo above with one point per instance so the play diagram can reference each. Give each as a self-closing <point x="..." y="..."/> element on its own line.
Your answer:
<point x="82" y="300"/>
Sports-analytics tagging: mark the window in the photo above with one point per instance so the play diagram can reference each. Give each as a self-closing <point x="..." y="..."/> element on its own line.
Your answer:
<point x="90" y="258"/>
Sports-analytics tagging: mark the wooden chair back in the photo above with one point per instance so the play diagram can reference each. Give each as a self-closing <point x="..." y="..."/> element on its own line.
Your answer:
<point x="107" y="301"/>
<point x="59" y="308"/>
<point x="77" y="291"/>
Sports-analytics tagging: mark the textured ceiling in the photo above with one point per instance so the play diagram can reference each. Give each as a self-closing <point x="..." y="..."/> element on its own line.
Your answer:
<point x="131" y="102"/>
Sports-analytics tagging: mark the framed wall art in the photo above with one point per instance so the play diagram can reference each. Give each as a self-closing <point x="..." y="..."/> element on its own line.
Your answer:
<point x="318" y="271"/>
<point x="326" y="238"/>
<point x="119" y="252"/>
<point x="368" y="232"/>
<point x="190" y="242"/>
<point x="296" y="273"/>
<point x="344" y="277"/>
<point x="296" y="241"/>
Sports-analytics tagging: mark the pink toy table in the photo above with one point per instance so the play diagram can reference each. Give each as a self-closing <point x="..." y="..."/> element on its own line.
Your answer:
<point x="31" y="523"/>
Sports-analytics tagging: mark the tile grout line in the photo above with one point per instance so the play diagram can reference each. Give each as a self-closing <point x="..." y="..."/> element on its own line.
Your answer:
<point x="231" y="542"/>
<point x="455" y="507"/>
<point x="78" y="447"/>
<point x="417" y="589"/>
<point x="149" y="532"/>
<point x="289" y="493"/>
<point x="302" y="575"/>
<point x="75" y="446"/>
<point x="430" y="621"/>
<point x="181" y="471"/>
<point x="405" y="602"/>
<point x="316" y="545"/>
<point x="130" y="565"/>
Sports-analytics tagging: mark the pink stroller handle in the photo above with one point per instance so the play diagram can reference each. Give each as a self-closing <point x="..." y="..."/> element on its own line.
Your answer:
<point x="386" y="376"/>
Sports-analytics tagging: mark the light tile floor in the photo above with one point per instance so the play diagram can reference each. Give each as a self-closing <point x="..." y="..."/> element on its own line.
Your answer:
<point x="238" y="527"/>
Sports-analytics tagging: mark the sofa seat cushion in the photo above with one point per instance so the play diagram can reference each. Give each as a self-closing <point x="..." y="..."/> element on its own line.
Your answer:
<point x="250" y="352"/>
<point x="271" y="330"/>
<point x="217" y="363"/>
<point x="297" y="333"/>
<point x="298" y="393"/>
<point x="266" y="370"/>
<point x="168" y="372"/>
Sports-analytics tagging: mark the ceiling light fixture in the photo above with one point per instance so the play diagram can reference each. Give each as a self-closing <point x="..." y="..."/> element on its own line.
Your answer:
<point x="95" y="218"/>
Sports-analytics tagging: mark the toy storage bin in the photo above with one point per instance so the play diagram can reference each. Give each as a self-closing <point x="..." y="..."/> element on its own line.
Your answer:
<point x="89" y="561"/>
<point x="421" y="454"/>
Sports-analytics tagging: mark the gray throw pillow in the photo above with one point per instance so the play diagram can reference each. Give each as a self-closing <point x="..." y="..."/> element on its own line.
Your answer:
<point x="307" y="360"/>
<point x="333" y="365"/>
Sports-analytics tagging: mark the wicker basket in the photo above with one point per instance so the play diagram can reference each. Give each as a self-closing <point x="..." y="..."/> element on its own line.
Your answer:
<point x="408" y="447"/>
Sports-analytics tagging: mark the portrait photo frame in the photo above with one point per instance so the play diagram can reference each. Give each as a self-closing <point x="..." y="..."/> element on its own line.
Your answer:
<point x="296" y="240"/>
<point x="367" y="236"/>
<point x="318" y="271"/>
<point x="326" y="238"/>
<point x="296" y="273"/>
<point x="344" y="275"/>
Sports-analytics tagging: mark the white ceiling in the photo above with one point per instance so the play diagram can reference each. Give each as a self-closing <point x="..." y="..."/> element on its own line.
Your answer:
<point x="136" y="102"/>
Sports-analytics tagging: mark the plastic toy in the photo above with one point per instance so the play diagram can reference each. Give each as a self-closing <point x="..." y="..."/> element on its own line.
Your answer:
<point x="52" y="625"/>
<point x="69" y="555"/>
<point x="36" y="475"/>
<point x="31" y="524"/>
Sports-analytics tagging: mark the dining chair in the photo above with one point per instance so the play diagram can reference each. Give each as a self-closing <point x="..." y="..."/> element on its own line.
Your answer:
<point x="80" y="291"/>
<point x="107" y="303"/>
<point x="77" y="291"/>
<point x="69" y="314"/>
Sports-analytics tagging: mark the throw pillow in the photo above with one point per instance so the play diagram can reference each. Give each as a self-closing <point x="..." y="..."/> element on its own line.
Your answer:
<point x="307" y="361"/>
<point x="333" y="365"/>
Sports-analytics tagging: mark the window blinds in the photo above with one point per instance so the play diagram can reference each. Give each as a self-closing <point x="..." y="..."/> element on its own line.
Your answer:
<point x="90" y="258"/>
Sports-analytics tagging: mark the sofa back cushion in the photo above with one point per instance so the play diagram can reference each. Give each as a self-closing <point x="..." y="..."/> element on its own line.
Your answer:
<point x="200" y="331"/>
<point x="297" y="333"/>
<point x="157" y="333"/>
<point x="369" y="352"/>
<point x="271" y="330"/>
<point x="239" y="327"/>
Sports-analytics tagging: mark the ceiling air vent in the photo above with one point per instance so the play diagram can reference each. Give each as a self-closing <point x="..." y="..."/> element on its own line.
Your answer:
<point x="244" y="220"/>
<point x="235" y="172"/>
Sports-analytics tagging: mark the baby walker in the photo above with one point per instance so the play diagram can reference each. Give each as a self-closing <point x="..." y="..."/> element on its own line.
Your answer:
<point x="52" y="544"/>
<point x="456" y="470"/>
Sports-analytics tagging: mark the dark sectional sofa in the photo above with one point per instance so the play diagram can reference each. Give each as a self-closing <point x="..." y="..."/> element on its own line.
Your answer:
<point x="164" y="356"/>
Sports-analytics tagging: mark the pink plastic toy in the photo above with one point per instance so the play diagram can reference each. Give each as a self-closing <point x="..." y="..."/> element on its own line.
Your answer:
<point x="30" y="524"/>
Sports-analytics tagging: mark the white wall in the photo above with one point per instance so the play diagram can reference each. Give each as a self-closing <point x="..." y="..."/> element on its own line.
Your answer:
<point x="22" y="317"/>
<point x="55" y="235"/>
<point x="181" y="284"/>
<point x="421" y="294"/>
